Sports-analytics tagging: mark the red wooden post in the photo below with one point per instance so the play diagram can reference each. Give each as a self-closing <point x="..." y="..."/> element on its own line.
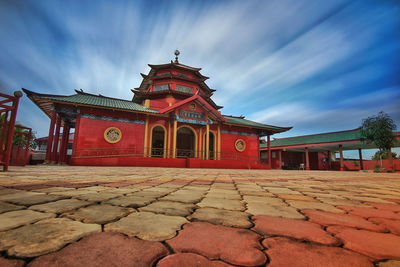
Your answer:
<point x="341" y="157"/>
<point x="62" y="146"/>
<point x="50" y="138"/>
<point x="269" y="151"/>
<point x="307" y="160"/>
<point x="56" y="140"/>
<point x="65" y="144"/>
<point x="361" y="159"/>
<point x="76" y="133"/>
<point x="3" y="131"/>
<point x="280" y="159"/>
<point x="11" y="126"/>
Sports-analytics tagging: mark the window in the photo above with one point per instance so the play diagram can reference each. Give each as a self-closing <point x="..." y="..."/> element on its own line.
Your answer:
<point x="161" y="87"/>
<point x="184" y="89"/>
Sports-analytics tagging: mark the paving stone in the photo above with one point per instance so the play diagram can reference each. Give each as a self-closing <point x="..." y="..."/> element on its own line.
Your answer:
<point x="149" y="194"/>
<point x="264" y="200"/>
<point x="19" y="195"/>
<point x="53" y="189"/>
<point x="285" y="252"/>
<point x="7" y="191"/>
<point x="36" y="199"/>
<point x="378" y="246"/>
<point x="296" y="197"/>
<point x="313" y="205"/>
<point x="331" y="218"/>
<point x="385" y="206"/>
<point x="147" y="226"/>
<point x="4" y="207"/>
<point x="389" y="263"/>
<point x="235" y="196"/>
<point x="170" y="208"/>
<point x="189" y="260"/>
<point x="130" y="201"/>
<point x="219" y="203"/>
<point x="342" y="202"/>
<point x="369" y="212"/>
<point x="235" y="246"/>
<point x="369" y="199"/>
<point x="100" y="214"/>
<point x="392" y="225"/>
<point x="96" y="188"/>
<point x="299" y="229"/>
<point x="274" y="210"/>
<point x="184" y="197"/>
<point x="256" y="193"/>
<point x="97" y="197"/>
<point x="222" y="217"/>
<point x="61" y="206"/>
<point x="13" y="219"/>
<point x="44" y="236"/>
<point x="72" y="193"/>
<point x="105" y="249"/>
<point x="11" y="262"/>
<point x="281" y="190"/>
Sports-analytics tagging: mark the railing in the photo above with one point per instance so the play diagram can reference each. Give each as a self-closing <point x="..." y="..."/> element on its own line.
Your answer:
<point x="136" y="151"/>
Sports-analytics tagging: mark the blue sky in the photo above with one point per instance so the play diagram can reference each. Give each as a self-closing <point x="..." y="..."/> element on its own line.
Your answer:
<point x="315" y="65"/>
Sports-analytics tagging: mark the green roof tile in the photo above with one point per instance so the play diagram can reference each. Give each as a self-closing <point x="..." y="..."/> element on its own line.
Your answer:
<point x="240" y="121"/>
<point x="316" y="138"/>
<point x="100" y="101"/>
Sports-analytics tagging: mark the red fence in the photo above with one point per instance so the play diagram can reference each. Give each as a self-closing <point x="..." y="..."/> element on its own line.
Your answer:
<point x="8" y="115"/>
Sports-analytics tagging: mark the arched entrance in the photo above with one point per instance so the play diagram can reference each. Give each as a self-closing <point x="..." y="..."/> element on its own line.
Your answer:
<point x="185" y="143"/>
<point x="211" y="146"/>
<point x="158" y="141"/>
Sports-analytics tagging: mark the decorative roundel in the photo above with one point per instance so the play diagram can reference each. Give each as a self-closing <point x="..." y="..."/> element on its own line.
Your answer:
<point x="112" y="135"/>
<point x="240" y="145"/>
<point x="192" y="106"/>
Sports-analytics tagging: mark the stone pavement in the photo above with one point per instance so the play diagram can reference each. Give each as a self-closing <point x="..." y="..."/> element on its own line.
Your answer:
<point x="129" y="216"/>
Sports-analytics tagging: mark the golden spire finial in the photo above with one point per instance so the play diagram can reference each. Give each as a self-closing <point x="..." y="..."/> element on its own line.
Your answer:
<point x="176" y="56"/>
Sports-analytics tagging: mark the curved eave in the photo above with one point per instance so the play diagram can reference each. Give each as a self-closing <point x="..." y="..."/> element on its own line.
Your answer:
<point x="270" y="130"/>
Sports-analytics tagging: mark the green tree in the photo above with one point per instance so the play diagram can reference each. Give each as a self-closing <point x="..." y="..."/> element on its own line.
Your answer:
<point x="17" y="132"/>
<point x="383" y="155"/>
<point x="379" y="131"/>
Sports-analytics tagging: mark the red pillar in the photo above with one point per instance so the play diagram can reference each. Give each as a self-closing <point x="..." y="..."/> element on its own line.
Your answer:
<point x="66" y="146"/>
<point x="56" y="140"/>
<point x="76" y="134"/>
<point x="341" y="157"/>
<point x="307" y="160"/>
<point x="3" y="131"/>
<point x="390" y="158"/>
<point x="269" y="151"/>
<point x="280" y="159"/>
<point x="10" y="133"/>
<point x="62" y="148"/>
<point x="50" y="138"/>
<point x="361" y="159"/>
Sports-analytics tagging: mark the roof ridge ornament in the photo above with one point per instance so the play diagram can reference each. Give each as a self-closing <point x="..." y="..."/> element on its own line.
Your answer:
<point x="176" y="56"/>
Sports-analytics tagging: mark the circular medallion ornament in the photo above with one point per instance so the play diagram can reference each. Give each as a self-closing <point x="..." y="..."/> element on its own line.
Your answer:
<point x="112" y="135"/>
<point x="192" y="106"/>
<point x="240" y="145"/>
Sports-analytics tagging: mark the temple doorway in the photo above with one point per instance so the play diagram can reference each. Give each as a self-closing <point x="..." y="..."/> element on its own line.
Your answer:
<point x="185" y="144"/>
<point x="211" y="147"/>
<point x="157" y="142"/>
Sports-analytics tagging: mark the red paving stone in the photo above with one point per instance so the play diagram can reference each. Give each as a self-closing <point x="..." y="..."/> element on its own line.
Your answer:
<point x="369" y="213"/>
<point x="189" y="260"/>
<point x="331" y="218"/>
<point x="11" y="262"/>
<point x="392" y="225"/>
<point x="232" y="245"/>
<point x="385" y="206"/>
<point x="105" y="249"/>
<point x="378" y="246"/>
<point x="299" y="229"/>
<point x="285" y="252"/>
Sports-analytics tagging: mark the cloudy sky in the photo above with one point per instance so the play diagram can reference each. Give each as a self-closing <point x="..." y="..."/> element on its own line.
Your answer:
<point x="315" y="65"/>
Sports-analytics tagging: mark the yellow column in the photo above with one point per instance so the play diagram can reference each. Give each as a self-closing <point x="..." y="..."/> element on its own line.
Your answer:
<point x="174" y="148"/>
<point x="207" y="141"/>
<point x="219" y="143"/>
<point x="168" y="152"/>
<point x="146" y="132"/>
<point x="200" y="144"/>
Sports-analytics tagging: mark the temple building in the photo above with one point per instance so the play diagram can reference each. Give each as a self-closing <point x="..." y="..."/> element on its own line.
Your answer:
<point x="171" y="122"/>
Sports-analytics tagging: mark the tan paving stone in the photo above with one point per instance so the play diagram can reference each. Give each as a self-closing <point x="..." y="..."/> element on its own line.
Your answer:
<point x="13" y="219"/>
<point x="170" y="208"/>
<point x="389" y="263"/>
<point x="219" y="203"/>
<point x="313" y="205"/>
<point x="281" y="190"/>
<point x="61" y="206"/>
<point x="8" y="191"/>
<point x="147" y="226"/>
<point x="4" y="207"/>
<point x="19" y="195"/>
<point x="98" y="196"/>
<point x="186" y="197"/>
<point x="44" y="236"/>
<point x="100" y="214"/>
<point x="131" y="201"/>
<point x="263" y="200"/>
<point x="150" y="194"/>
<point x="274" y="210"/>
<point x="342" y="202"/>
<point x="369" y="199"/>
<point x="296" y="197"/>
<point x="72" y="193"/>
<point x="224" y="196"/>
<point x="35" y="199"/>
<point x="53" y="189"/>
<point x="256" y="193"/>
<point x="222" y="217"/>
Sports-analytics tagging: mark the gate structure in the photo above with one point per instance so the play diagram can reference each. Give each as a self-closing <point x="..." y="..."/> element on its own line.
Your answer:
<point x="8" y="115"/>
<point x="20" y="145"/>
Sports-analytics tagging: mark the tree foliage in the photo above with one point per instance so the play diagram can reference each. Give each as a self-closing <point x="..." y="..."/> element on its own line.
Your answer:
<point x="17" y="133"/>
<point x="384" y="155"/>
<point x="379" y="130"/>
